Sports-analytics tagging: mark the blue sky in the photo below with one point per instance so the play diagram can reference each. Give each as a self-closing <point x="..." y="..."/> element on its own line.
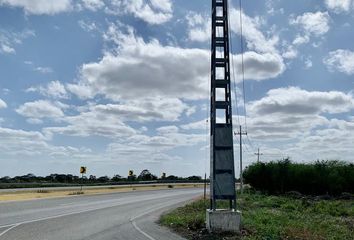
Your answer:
<point x="118" y="85"/>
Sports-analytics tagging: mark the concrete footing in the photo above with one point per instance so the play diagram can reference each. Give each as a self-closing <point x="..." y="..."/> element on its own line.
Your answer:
<point x="223" y="220"/>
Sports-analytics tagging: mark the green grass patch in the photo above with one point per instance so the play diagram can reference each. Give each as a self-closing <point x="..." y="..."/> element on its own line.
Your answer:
<point x="271" y="217"/>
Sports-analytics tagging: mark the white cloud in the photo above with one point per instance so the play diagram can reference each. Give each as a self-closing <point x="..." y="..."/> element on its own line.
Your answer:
<point x="39" y="7"/>
<point x="43" y="70"/>
<point x="339" y="6"/>
<point x="54" y="89"/>
<point x="299" y="40"/>
<point x="93" y="5"/>
<point x="199" y="27"/>
<point x="255" y="39"/>
<point x="6" y="49"/>
<point x="340" y="60"/>
<point x="108" y="120"/>
<point x="315" y="23"/>
<point x="308" y="63"/>
<point x="288" y="116"/>
<point x="2" y="104"/>
<point x="87" y="26"/>
<point x="260" y="66"/>
<point x="296" y="101"/>
<point x="153" y="12"/>
<point x="141" y="69"/>
<point x="8" y="39"/>
<point x="40" y="109"/>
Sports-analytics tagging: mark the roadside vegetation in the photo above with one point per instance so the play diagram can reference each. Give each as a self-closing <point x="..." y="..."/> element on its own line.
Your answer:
<point x="287" y="201"/>
<point x="272" y="217"/>
<point x="320" y="178"/>
<point x="66" y="180"/>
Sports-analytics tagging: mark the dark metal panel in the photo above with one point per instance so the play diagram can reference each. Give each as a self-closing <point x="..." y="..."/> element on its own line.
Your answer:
<point x="224" y="185"/>
<point x="223" y="136"/>
<point x="224" y="159"/>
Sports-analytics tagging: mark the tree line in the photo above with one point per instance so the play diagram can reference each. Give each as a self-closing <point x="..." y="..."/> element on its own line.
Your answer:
<point x="145" y="175"/>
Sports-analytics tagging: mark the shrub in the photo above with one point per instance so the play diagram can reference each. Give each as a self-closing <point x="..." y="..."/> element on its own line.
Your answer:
<point x="319" y="178"/>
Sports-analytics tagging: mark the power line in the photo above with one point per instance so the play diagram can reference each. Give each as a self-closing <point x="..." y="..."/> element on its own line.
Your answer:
<point x="234" y="75"/>
<point x="243" y="65"/>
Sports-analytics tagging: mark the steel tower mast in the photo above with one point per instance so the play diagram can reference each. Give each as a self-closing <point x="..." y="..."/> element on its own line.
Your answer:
<point x="222" y="170"/>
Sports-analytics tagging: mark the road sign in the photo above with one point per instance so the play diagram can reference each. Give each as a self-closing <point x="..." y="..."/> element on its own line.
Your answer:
<point x="83" y="170"/>
<point x="131" y="173"/>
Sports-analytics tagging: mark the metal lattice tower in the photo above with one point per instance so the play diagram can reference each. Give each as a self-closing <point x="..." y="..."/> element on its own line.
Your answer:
<point x="222" y="171"/>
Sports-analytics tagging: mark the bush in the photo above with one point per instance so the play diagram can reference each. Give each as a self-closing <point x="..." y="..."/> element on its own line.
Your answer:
<point x="319" y="178"/>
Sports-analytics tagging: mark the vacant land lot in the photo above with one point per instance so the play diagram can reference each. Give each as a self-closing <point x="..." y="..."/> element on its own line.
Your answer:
<point x="272" y="217"/>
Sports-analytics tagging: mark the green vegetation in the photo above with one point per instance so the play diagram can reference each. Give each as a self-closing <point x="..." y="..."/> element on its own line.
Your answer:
<point x="68" y="180"/>
<point x="272" y="217"/>
<point x="320" y="178"/>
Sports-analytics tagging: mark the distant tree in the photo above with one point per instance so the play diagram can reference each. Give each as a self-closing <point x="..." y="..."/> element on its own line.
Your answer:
<point x="172" y="177"/>
<point x="117" y="178"/>
<point x="103" y="179"/>
<point x="194" y="178"/>
<point x="5" y="179"/>
<point x="92" y="178"/>
<point x="145" y="175"/>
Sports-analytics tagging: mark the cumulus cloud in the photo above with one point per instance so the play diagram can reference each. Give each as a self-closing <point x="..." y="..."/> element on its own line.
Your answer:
<point x="40" y="109"/>
<point x="2" y="104"/>
<point x="153" y="12"/>
<point x="40" y="7"/>
<point x="339" y="6"/>
<point x="93" y="5"/>
<point x="108" y="120"/>
<point x="287" y="113"/>
<point x="199" y="27"/>
<point x="315" y="23"/>
<point x="255" y="38"/>
<point x="340" y="60"/>
<point x="260" y="66"/>
<point x="141" y="69"/>
<point x="54" y="89"/>
<point x="297" y="101"/>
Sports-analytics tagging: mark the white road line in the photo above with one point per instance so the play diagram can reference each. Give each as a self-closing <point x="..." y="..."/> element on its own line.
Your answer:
<point x="13" y="225"/>
<point x="3" y="233"/>
<point x="132" y="220"/>
<point x="141" y="231"/>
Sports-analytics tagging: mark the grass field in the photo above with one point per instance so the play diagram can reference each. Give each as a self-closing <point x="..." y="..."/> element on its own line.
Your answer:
<point x="272" y="217"/>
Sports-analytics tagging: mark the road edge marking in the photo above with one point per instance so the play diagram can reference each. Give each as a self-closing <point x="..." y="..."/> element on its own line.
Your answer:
<point x="141" y="231"/>
<point x="9" y="229"/>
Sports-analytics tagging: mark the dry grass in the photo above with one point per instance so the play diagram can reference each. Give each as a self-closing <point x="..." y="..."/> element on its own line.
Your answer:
<point x="53" y="193"/>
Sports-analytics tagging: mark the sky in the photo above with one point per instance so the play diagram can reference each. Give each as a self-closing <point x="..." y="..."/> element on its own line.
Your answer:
<point x="124" y="84"/>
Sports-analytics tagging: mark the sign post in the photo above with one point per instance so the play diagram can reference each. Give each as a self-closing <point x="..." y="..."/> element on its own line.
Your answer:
<point x="82" y="171"/>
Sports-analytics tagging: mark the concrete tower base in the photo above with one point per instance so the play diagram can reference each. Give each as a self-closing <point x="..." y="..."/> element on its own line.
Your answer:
<point x="223" y="220"/>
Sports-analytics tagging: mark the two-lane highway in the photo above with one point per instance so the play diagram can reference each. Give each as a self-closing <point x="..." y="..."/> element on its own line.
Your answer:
<point x="97" y="217"/>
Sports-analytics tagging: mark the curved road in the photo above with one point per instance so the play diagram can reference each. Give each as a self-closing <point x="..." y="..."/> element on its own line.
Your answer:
<point x="97" y="217"/>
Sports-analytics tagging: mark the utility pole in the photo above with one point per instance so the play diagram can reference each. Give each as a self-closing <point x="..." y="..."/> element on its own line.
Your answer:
<point x="258" y="155"/>
<point x="241" y="177"/>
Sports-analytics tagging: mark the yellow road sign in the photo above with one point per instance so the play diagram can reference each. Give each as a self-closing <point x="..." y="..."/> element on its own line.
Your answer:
<point x="83" y="170"/>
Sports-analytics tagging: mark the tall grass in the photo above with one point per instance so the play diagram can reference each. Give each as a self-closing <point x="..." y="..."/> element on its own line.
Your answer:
<point x="319" y="178"/>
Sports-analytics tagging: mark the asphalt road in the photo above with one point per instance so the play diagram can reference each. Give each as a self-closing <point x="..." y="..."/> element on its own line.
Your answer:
<point x="97" y="217"/>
